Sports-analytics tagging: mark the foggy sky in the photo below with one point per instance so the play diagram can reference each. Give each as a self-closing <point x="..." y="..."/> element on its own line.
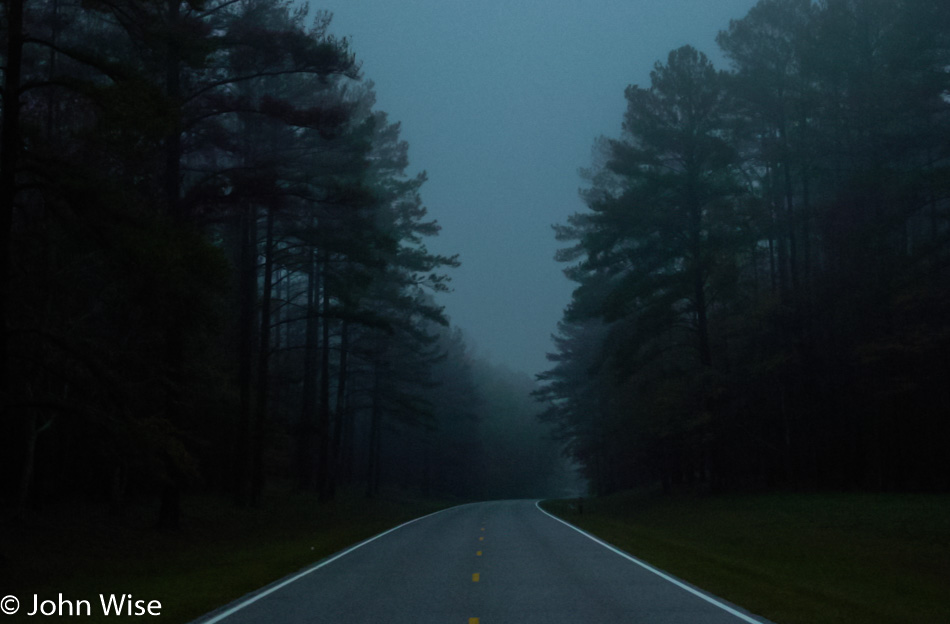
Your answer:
<point x="500" y="101"/>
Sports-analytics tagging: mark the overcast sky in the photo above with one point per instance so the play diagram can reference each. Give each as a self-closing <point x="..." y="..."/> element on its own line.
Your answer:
<point x="500" y="101"/>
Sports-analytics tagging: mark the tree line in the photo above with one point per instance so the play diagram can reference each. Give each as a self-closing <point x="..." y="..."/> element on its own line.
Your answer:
<point x="763" y="265"/>
<point x="214" y="273"/>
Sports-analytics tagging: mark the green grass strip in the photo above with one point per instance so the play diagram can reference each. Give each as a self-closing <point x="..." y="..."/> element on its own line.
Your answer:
<point x="221" y="554"/>
<point x="792" y="558"/>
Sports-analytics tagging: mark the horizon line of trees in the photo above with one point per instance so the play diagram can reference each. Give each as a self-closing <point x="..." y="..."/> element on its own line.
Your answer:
<point x="213" y="270"/>
<point x="763" y="268"/>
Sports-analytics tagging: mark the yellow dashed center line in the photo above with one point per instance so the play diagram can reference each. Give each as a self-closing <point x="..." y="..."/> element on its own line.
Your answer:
<point x="476" y="576"/>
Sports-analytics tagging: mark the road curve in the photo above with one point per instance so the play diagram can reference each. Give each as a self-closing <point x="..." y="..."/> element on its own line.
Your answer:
<point x="483" y="563"/>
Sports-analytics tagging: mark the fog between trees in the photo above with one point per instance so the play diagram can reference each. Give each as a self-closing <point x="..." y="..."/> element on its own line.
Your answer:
<point x="762" y="272"/>
<point x="215" y="274"/>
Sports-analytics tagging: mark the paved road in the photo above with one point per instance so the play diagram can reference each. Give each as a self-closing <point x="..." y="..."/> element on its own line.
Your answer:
<point x="484" y="563"/>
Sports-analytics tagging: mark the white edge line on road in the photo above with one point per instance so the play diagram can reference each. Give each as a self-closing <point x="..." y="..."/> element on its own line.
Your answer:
<point x="307" y="571"/>
<point x="660" y="573"/>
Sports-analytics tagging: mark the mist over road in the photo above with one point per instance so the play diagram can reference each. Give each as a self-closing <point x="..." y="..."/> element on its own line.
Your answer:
<point x="501" y="561"/>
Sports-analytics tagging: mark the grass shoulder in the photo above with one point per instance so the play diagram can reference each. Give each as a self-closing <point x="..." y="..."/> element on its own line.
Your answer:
<point x="220" y="554"/>
<point x="793" y="558"/>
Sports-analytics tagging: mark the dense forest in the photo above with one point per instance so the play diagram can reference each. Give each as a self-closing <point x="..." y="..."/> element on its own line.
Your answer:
<point x="214" y="275"/>
<point x="763" y="265"/>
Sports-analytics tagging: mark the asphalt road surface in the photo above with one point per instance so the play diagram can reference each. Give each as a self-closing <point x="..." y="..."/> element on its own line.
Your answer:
<point x="484" y="563"/>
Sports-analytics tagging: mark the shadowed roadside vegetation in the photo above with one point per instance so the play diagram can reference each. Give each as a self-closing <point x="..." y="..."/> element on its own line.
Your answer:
<point x="221" y="553"/>
<point x="794" y="558"/>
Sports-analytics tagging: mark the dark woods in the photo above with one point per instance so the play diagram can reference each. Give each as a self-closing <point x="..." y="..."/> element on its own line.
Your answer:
<point x="214" y="273"/>
<point x="763" y="273"/>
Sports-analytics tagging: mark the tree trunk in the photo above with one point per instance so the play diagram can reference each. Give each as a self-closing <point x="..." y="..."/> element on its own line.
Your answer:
<point x="51" y="97"/>
<point x="9" y="162"/>
<point x="340" y="412"/>
<point x="373" y="469"/>
<point x="173" y="140"/>
<point x="263" y="366"/>
<point x="247" y="296"/>
<point x="170" y="508"/>
<point x="702" y="318"/>
<point x="789" y="216"/>
<point x="29" y="461"/>
<point x="323" y="415"/>
<point x="348" y="443"/>
<point x="699" y="279"/>
<point x="305" y="425"/>
<point x="275" y="390"/>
